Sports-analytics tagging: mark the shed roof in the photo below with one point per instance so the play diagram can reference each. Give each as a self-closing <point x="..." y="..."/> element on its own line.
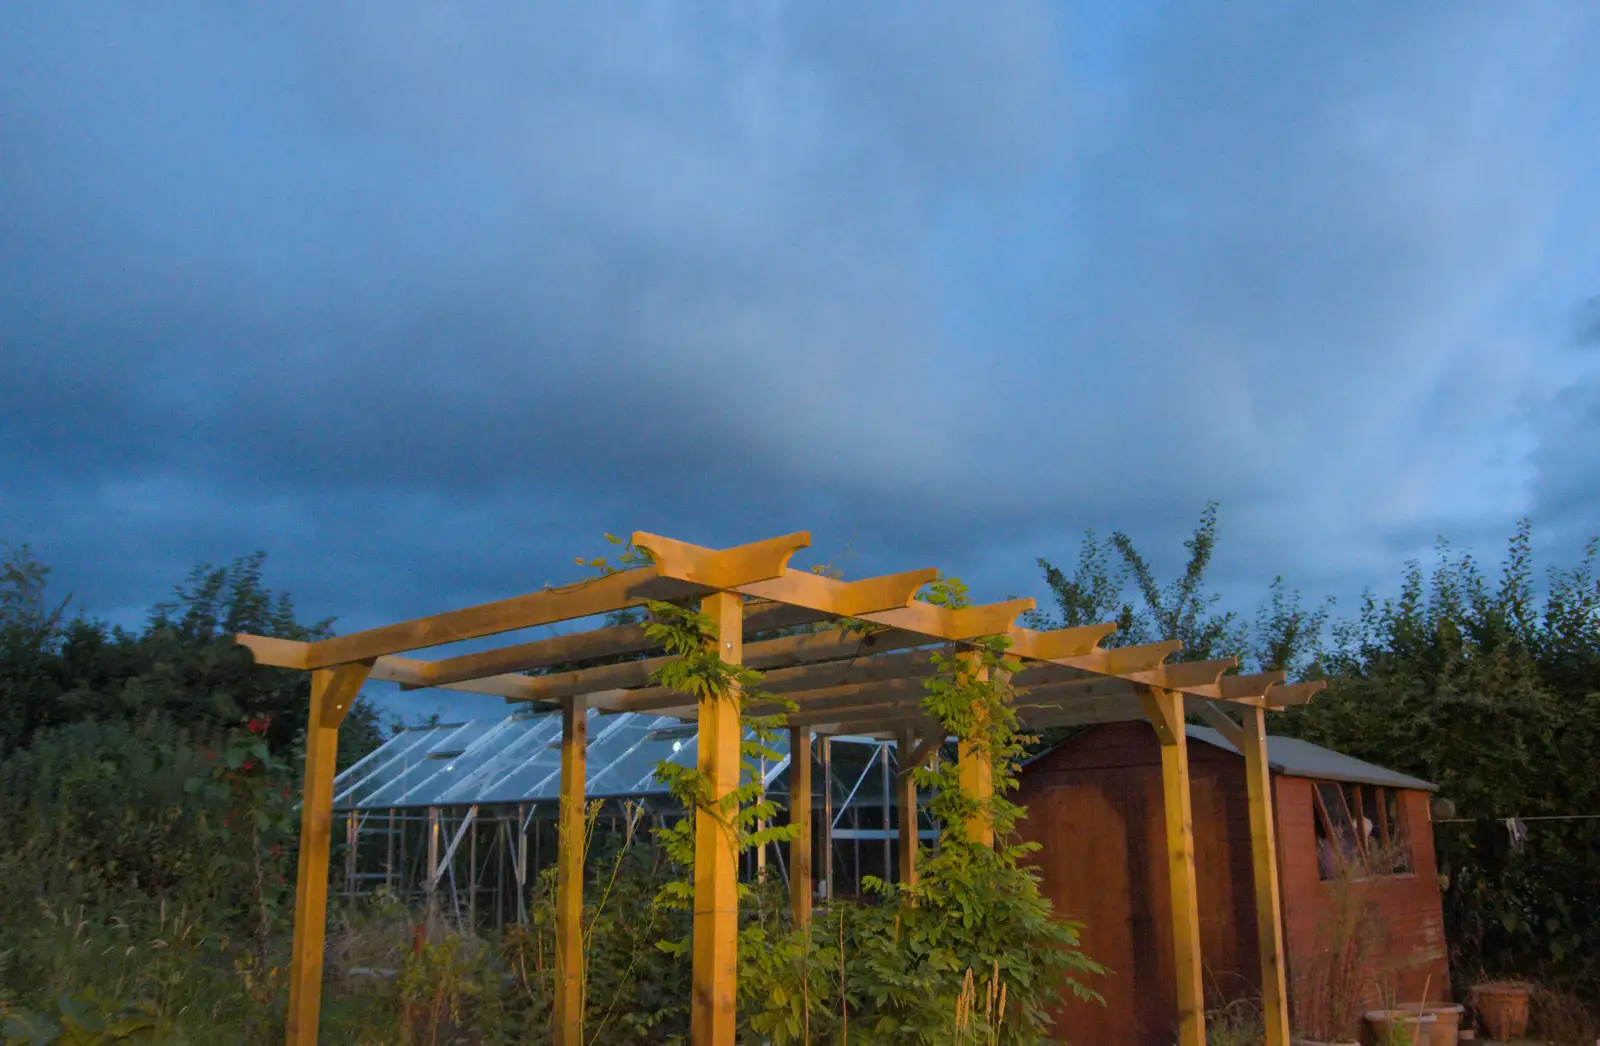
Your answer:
<point x="1297" y="758"/>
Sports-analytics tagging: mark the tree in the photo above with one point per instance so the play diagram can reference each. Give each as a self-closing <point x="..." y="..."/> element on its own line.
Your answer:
<point x="1115" y="582"/>
<point x="183" y="665"/>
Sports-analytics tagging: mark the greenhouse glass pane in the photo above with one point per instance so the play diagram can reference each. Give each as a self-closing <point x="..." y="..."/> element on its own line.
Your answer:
<point x="495" y="755"/>
<point x="359" y="782"/>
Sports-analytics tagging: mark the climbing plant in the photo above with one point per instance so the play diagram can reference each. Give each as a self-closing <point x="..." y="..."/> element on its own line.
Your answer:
<point x="899" y="966"/>
<point x="976" y="909"/>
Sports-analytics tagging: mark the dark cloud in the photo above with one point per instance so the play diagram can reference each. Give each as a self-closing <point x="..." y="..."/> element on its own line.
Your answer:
<point x="421" y="299"/>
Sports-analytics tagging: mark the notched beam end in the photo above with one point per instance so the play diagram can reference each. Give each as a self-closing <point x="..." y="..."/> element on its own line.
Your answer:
<point x="1290" y="694"/>
<point x="1252" y="686"/>
<point x="279" y="653"/>
<point x="988" y="619"/>
<point x="721" y="568"/>
<point x="886" y="591"/>
<point x="1188" y="674"/>
<point x="1058" y="642"/>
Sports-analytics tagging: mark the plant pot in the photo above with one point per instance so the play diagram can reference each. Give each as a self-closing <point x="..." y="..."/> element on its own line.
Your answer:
<point x="1446" y="1030"/>
<point x="1502" y="1007"/>
<point x="1400" y="1028"/>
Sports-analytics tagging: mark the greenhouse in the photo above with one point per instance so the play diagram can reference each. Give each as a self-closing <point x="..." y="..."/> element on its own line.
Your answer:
<point x="461" y="817"/>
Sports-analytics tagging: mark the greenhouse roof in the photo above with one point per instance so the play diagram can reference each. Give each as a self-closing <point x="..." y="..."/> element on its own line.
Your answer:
<point x="518" y="760"/>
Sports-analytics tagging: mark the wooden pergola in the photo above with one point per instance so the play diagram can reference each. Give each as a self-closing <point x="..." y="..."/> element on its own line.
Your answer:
<point x="839" y="680"/>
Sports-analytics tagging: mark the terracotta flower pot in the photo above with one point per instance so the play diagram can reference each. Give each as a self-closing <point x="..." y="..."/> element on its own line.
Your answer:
<point x="1503" y="1009"/>
<point x="1400" y="1027"/>
<point x="1446" y="1030"/>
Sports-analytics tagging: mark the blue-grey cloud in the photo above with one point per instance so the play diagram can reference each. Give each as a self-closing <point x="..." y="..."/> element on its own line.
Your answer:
<point x="420" y="299"/>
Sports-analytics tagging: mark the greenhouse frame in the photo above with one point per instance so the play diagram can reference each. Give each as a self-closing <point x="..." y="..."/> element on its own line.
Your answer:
<point x="459" y="818"/>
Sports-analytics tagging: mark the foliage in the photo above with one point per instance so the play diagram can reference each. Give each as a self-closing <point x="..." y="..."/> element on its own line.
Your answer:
<point x="974" y="907"/>
<point x="1236" y="1023"/>
<point x="183" y="664"/>
<point x="147" y="821"/>
<point x="84" y="1020"/>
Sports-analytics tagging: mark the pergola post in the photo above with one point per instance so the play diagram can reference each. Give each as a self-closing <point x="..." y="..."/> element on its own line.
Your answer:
<point x="827" y="818"/>
<point x="1164" y="708"/>
<point x="973" y="767"/>
<point x="716" y="870"/>
<point x="333" y="690"/>
<point x="1264" y="857"/>
<point x="906" y="783"/>
<point x="569" y="873"/>
<point x="800" y="817"/>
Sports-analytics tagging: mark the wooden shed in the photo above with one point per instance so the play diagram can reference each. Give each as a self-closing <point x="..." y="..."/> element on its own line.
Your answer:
<point x="1349" y="834"/>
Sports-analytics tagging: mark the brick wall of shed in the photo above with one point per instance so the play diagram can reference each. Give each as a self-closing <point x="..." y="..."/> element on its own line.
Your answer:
<point x="1408" y="955"/>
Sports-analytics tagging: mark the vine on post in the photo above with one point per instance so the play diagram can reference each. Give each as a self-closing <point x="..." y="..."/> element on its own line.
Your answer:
<point x="975" y="909"/>
<point x="698" y="672"/>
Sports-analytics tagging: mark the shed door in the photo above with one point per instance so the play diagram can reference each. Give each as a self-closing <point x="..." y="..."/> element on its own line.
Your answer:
<point x="1085" y="865"/>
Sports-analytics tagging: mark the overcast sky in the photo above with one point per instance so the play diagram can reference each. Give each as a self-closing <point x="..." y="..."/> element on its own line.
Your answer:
<point x="422" y="298"/>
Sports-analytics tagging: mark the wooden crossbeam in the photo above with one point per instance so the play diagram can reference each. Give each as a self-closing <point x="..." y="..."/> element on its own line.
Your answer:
<point x="861" y="676"/>
<point x="842" y="598"/>
<point x="914" y="664"/>
<point x="759" y="616"/>
<point x="851" y="697"/>
<point x="1123" y="659"/>
<point x="855" y="700"/>
<point x="583" y="599"/>
<point x="635" y="676"/>
<point x="288" y="653"/>
<point x="987" y="619"/>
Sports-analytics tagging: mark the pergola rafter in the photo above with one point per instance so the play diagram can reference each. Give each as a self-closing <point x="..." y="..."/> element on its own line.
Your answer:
<point x="863" y="674"/>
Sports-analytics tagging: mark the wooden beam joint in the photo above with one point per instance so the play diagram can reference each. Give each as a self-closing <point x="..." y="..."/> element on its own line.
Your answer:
<point x="721" y="568"/>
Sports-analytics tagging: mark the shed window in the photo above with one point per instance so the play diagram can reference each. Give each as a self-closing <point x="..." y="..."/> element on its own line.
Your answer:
<point x="1360" y="831"/>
